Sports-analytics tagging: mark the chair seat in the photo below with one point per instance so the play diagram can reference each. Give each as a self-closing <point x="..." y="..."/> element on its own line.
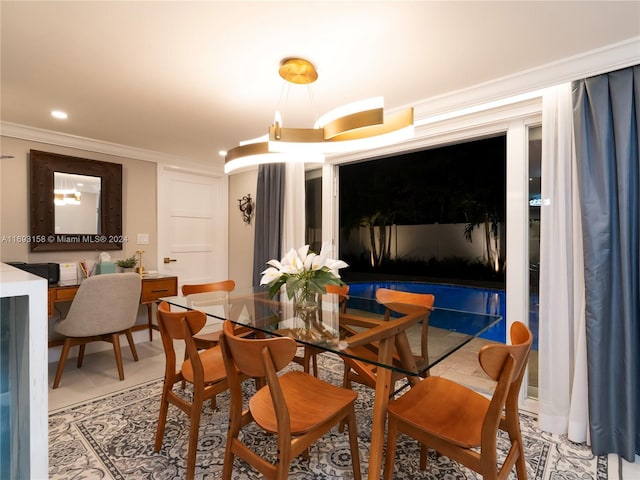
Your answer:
<point x="445" y="409"/>
<point x="212" y="363"/>
<point x="310" y="400"/>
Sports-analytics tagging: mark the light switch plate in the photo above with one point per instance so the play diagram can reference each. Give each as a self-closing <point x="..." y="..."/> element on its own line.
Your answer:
<point x="143" y="239"/>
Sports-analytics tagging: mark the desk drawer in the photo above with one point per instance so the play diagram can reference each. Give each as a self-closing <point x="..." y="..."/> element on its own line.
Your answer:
<point x="153" y="289"/>
<point x="60" y="294"/>
<point x="65" y="294"/>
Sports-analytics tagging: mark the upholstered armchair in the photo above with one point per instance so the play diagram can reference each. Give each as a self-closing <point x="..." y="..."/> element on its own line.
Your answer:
<point x="105" y="307"/>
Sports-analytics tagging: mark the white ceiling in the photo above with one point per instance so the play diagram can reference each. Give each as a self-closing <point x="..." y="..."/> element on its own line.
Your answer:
<point x="188" y="79"/>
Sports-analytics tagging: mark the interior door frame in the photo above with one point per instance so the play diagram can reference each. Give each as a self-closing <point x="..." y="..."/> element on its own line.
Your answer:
<point x="163" y="173"/>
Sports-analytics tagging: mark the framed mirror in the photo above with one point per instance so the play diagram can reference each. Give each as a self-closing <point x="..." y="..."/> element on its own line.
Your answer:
<point x="75" y="203"/>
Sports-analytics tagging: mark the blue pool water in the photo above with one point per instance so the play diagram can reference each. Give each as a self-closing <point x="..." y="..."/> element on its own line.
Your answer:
<point x="456" y="297"/>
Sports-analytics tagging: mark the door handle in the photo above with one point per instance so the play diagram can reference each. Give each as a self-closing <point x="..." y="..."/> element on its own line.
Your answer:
<point x="169" y="260"/>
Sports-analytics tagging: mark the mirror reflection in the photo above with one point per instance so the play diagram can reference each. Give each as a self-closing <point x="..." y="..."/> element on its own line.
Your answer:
<point x="76" y="200"/>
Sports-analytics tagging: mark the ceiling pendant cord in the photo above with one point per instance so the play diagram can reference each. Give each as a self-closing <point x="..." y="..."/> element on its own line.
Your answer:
<point x="303" y="74"/>
<point x="277" y="120"/>
<point x="312" y="100"/>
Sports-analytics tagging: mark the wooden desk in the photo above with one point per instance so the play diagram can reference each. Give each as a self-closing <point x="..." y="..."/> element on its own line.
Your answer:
<point x="153" y="288"/>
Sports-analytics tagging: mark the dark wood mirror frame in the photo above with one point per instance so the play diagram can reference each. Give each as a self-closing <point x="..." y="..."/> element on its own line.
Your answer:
<point x="43" y="235"/>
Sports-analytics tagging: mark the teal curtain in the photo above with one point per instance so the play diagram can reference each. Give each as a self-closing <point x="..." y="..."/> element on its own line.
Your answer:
<point x="269" y="212"/>
<point x="606" y="110"/>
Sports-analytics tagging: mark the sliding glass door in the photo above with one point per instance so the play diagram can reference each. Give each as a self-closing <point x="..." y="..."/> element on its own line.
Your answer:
<point x="521" y="123"/>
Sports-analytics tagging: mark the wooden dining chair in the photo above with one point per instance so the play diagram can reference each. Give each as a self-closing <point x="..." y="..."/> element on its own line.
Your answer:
<point x="343" y="294"/>
<point x="203" y="369"/>
<point x="222" y="286"/>
<point x="295" y="406"/>
<point x="463" y="424"/>
<point x="403" y="302"/>
<point x="310" y="354"/>
<point x="400" y="302"/>
<point x="200" y="288"/>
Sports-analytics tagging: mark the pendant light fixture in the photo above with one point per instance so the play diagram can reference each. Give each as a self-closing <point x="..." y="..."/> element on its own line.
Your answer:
<point x="357" y="126"/>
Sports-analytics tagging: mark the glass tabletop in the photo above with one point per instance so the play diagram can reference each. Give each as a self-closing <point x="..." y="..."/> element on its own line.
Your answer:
<point x="350" y="329"/>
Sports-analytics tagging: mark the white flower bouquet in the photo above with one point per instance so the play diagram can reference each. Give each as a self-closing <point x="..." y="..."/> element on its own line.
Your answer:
<point x="304" y="273"/>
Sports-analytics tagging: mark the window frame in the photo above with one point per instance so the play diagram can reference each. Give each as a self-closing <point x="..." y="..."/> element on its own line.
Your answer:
<point x="513" y="120"/>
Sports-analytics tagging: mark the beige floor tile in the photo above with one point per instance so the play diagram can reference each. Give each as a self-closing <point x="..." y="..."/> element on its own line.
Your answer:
<point x="99" y="375"/>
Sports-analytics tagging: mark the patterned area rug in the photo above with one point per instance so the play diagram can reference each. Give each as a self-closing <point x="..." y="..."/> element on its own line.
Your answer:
<point x="112" y="438"/>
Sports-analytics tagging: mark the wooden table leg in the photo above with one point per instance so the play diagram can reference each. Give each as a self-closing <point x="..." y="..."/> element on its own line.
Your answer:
<point x="150" y="318"/>
<point x="383" y="390"/>
<point x="406" y="356"/>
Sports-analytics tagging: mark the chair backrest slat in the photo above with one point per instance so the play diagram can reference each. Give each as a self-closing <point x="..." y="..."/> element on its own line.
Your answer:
<point x="171" y="321"/>
<point x="338" y="289"/>
<point x="223" y="286"/>
<point x="247" y="353"/>
<point x="404" y="302"/>
<point x="493" y="357"/>
<point x="343" y="294"/>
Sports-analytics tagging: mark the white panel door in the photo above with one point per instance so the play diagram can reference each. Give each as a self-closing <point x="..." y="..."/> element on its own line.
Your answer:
<point x="192" y="225"/>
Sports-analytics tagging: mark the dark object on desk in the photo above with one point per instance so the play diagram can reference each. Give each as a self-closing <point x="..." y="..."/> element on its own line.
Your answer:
<point x="50" y="271"/>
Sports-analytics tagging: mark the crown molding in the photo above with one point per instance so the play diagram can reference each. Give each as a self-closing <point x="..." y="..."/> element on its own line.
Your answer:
<point x="606" y="59"/>
<point x="32" y="134"/>
<point x="514" y="93"/>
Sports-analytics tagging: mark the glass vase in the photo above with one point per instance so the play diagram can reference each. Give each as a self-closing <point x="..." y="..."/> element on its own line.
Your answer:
<point x="306" y="305"/>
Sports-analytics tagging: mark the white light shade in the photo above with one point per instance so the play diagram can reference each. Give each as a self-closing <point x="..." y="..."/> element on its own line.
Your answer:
<point x="348" y="109"/>
<point x="258" y="154"/>
<point x="263" y="138"/>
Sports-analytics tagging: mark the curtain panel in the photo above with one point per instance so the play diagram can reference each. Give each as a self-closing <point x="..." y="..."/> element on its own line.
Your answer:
<point x="606" y="109"/>
<point x="294" y="207"/>
<point x="267" y="243"/>
<point x="562" y="398"/>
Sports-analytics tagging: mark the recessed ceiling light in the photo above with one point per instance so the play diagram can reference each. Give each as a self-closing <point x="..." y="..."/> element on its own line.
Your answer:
<point x="59" y="114"/>
<point x="222" y="153"/>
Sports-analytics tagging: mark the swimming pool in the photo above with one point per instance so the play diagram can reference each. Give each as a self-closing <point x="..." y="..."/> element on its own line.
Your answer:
<point x="457" y="297"/>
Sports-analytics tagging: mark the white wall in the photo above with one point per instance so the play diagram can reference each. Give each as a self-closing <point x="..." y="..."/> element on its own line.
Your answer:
<point x="241" y="234"/>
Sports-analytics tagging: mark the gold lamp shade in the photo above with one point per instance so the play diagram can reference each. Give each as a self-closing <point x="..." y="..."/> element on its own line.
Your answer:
<point x="358" y="126"/>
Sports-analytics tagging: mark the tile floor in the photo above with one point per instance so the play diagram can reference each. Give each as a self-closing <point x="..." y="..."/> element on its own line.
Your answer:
<point x="98" y="376"/>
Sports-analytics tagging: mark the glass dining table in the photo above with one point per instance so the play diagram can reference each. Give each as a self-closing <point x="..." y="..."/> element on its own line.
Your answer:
<point x="351" y="330"/>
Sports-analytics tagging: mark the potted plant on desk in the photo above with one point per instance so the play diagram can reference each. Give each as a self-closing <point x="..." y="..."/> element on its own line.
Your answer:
<point x="128" y="264"/>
